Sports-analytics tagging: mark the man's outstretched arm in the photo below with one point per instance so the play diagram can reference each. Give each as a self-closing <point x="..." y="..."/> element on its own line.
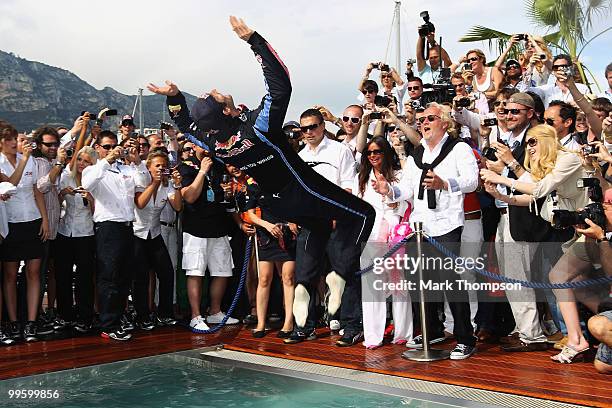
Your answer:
<point x="276" y="77"/>
<point x="177" y="105"/>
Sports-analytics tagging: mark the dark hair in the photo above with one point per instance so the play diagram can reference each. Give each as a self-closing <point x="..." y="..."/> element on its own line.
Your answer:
<point x="7" y="131"/>
<point x="564" y="57"/>
<point x="312" y="112"/>
<point x="390" y="163"/>
<point x="566" y="111"/>
<point x="416" y="79"/>
<point x="539" y="106"/>
<point x="608" y="69"/>
<point x="368" y="83"/>
<point x="103" y="134"/>
<point x="602" y="104"/>
<point x="45" y="130"/>
<point x="506" y="93"/>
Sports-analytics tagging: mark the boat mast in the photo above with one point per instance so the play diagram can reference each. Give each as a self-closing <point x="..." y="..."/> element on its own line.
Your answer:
<point x="140" y="118"/>
<point x="398" y="65"/>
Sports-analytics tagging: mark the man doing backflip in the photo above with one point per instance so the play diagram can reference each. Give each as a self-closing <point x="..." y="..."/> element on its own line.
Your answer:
<point x="254" y="142"/>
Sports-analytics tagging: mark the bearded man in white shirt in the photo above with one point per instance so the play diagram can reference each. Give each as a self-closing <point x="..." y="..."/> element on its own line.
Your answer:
<point x="436" y="177"/>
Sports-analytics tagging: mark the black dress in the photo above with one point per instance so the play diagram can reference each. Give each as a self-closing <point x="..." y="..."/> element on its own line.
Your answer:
<point x="270" y="248"/>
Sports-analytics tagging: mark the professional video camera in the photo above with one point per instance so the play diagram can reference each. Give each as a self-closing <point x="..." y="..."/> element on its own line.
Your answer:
<point x="441" y="91"/>
<point x="428" y="27"/>
<point x="594" y="211"/>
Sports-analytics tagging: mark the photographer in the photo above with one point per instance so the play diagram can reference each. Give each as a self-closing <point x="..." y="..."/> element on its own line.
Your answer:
<point x="150" y="251"/>
<point x="561" y="90"/>
<point x="487" y="80"/>
<point x="392" y="84"/>
<point x="414" y="86"/>
<point x="112" y="184"/>
<point x="126" y="127"/>
<point x="76" y="246"/>
<point x="429" y="65"/>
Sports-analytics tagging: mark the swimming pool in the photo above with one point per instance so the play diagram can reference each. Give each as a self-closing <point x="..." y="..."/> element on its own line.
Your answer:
<point x="176" y="380"/>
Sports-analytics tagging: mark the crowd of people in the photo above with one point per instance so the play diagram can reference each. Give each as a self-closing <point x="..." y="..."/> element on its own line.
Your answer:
<point x="511" y="160"/>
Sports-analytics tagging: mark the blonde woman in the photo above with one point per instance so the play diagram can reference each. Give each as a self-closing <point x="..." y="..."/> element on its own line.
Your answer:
<point x="487" y="80"/>
<point x="554" y="169"/>
<point x="76" y="246"/>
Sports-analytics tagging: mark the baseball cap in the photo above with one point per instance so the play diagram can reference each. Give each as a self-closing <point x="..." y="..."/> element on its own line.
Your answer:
<point x="127" y="120"/>
<point x="291" y="124"/>
<point x="523" y="99"/>
<point x="512" y="62"/>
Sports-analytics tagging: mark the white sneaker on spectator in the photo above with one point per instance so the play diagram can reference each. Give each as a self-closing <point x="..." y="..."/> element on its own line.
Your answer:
<point x="218" y="317"/>
<point x="334" y="325"/>
<point x="198" y="324"/>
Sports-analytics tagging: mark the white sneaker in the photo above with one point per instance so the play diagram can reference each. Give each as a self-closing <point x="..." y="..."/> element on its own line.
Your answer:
<point x="336" y="288"/>
<point x="301" y="298"/>
<point x="334" y="325"/>
<point x="218" y="317"/>
<point x="198" y="324"/>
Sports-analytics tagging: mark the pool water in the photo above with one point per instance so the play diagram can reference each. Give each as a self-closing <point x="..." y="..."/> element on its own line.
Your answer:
<point x="179" y="382"/>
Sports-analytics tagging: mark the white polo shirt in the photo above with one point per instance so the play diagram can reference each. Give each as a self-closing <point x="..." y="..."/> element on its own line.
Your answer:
<point x="113" y="187"/>
<point x="77" y="219"/>
<point x="22" y="206"/>
<point x="148" y="218"/>
<point x="333" y="160"/>
<point x="459" y="169"/>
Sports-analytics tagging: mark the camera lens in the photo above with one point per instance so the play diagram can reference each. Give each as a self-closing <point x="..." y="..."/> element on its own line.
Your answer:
<point x="489" y="153"/>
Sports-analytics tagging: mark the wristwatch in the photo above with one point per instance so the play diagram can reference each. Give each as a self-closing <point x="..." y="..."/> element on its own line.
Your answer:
<point x="57" y="163"/>
<point x="607" y="237"/>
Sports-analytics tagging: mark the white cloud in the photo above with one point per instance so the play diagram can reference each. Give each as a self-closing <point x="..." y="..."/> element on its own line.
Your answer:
<point x="325" y="44"/>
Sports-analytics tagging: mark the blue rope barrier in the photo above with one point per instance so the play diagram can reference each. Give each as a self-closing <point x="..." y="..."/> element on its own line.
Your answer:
<point x="495" y="276"/>
<point x="245" y="267"/>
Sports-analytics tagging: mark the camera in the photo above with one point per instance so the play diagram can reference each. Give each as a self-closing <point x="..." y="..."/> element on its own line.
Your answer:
<point x="567" y="71"/>
<point x="490" y="122"/>
<point x="165" y="171"/>
<point x="542" y="56"/>
<point x="292" y="135"/>
<point x="91" y="116"/>
<point x="564" y="218"/>
<point x="489" y="153"/>
<point x="381" y="66"/>
<point x="165" y="126"/>
<point x="428" y="27"/>
<point x="69" y="153"/>
<point x="466" y="66"/>
<point x="376" y="115"/>
<point x="589" y="149"/>
<point x="416" y="104"/>
<point x="441" y="91"/>
<point x="410" y="61"/>
<point x="382" y="101"/>
<point x="593" y="211"/>
<point x="464" y="102"/>
<point x="111" y="112"/>
<point x="521" y="37"/>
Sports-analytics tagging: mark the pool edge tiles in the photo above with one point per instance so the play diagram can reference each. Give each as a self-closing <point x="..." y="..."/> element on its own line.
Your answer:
<point x="399" y="386"/>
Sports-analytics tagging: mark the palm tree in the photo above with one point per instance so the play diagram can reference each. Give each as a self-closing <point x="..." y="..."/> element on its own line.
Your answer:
<point x="566" y="21"/>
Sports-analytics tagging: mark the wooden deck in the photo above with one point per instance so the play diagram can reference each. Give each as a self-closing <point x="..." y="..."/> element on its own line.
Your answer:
<point x="528" y="374"/>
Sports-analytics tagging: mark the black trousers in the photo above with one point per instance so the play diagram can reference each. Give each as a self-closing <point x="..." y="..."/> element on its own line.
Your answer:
<point x="152" y="254"/>
<point x="114" y="253"/>
<point x="79" y="251"/>
<point x="457" y="299"/>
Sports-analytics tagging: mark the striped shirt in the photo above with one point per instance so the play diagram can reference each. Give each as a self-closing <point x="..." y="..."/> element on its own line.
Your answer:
<point x="50" y="192"/>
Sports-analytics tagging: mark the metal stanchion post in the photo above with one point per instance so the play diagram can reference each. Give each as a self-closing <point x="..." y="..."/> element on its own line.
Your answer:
<point x="427" y="353"/>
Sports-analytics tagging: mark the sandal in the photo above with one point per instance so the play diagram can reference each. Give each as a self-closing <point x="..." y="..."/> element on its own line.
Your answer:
<point x="569" y="354"/>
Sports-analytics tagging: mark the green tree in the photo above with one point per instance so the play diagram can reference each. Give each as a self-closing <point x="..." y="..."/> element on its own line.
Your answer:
<point x="567" y="23"/>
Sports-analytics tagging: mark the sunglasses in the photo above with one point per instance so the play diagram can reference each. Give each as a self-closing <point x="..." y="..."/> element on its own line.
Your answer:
<point x="549" y="121"/>
<point x="413" y="88"/>
<point x="557" y="67"/>
<point x="532" y="142"/>
<point x="51" y="144"/>
<point x="309" y="127"/>
<point x="459" y="86"/>
<point x="513" y="111"/>
<point x="375" y="152"/>
<point x="497" y="103"/>
<point x="108" y="146"/>
<point x="513" y="66"/>
<point x="352" y="119"/>
<point x="473" y="59"/>
<point x="430" y="118"/>
<point x="187" y="150"/>
<point x="144" y="145"/>
<point x="391" y="129"/>
<point x="369" y="90"/>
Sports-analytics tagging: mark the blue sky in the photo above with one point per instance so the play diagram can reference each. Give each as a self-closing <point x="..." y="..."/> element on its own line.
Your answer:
<point x="325" y="44"/>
